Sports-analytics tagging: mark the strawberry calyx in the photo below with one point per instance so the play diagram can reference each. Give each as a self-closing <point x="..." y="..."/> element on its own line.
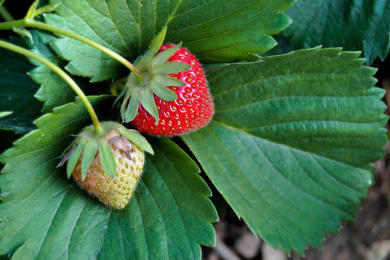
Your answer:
<point x="155" y="79"/>
<point x="88" y="144"/>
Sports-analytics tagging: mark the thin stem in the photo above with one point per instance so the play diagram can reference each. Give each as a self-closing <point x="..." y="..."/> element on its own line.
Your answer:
<point x="7" y="16"/>
<point x="56" y="30"/>
<point x="63" y="75"/>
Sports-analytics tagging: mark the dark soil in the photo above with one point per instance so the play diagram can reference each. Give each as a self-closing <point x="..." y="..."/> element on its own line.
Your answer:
<point x="372" y="225"/>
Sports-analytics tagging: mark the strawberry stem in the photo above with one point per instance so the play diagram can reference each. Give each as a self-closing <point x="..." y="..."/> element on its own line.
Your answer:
<point x="63" y="75"/>
<point x="34" y="24"/>
<point x="7" y="16"/>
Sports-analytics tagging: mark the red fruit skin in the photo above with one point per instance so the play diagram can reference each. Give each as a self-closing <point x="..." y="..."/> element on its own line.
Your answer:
<point x="193" y="108"/>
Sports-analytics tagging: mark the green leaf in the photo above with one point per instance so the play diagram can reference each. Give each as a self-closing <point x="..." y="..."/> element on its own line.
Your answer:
<point x="89" y="153"/>
<point x="54" y="90"/>
<point x="46" y="216"/>
<point x="292" y="142"/>
<point x="107" y="158"/>
<point x="215" y="31"/>
<point x="354" y="25"/>
<point x="162" y="92"/>
<point x="170" y="205"/>
<point x="136" y="138"/>
<point x="17" y="91"/>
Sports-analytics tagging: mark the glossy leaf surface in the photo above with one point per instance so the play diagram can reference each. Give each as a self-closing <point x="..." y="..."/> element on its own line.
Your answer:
<point x="291" y="142"/>
<point x="215" y="31"/>
<point x="168" y="217"/>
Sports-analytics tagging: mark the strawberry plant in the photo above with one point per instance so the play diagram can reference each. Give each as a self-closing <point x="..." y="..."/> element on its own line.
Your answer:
<point x="288" y="140"/>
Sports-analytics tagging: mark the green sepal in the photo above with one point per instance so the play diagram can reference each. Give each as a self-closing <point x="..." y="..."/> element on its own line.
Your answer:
<point x="74" y="157"/>
<point x="132" y="108"/>
<point x="66" y="151"/>
<point x="135" y="137"/>
<point x="147" y="100"/>
<point x="89" y="153"/>
<point x="124" y="106"/>
<point x="124" y="90"/>
<point x="165" y="81"/>
<point x="31" y="11"/>
<point x="162" y="92"/>
<point x="107" y="158"/>
<point x="155" y="46"/>
<point x="171" y="67"/>
<point x="162" y="57"/>
<point x="24" y="32"/>
<point x="156" y="71"/>
<point x="3" y="114"/>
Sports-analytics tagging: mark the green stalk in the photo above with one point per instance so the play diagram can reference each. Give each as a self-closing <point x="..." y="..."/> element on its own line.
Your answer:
<point x="7" y="16"/>
<point x="63" y="75"/>
<point x="34" y="24"/>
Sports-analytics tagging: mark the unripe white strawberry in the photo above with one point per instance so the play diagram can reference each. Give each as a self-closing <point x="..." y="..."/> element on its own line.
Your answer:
<point x="108" y="166"/>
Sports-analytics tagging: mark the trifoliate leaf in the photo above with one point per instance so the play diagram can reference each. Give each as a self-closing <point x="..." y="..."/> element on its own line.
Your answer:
<point x="46" y="216"/>
<point x="353" y="25"/>
<point x="107" y="158"/>
<point x="17" y="91"/>
<point x="215" y="31"/>
<point x="89" y="153"/>
<point x="292" y="142"/>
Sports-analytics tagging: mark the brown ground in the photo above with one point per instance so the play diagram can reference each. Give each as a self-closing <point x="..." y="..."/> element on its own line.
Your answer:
<point x="355" y="241"/>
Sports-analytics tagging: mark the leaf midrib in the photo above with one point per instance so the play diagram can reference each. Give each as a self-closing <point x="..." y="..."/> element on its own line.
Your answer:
<point x="274" y="77"/>
<point x="290" y="183"/>
<point x="221" y="17"/>
<point x="272" y="141"/>
<point x="257" y="231"/>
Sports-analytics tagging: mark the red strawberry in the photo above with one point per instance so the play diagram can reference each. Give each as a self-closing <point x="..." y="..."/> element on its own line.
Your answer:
<point x="192" y="109"/>
<point x="170" y="96"/>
